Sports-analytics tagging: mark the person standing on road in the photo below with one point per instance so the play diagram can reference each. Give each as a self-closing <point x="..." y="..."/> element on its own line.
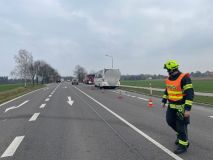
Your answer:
<point x="179" y="93"/>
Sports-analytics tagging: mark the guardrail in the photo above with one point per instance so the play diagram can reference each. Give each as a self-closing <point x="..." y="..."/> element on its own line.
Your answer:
<point x="162" y="90"/>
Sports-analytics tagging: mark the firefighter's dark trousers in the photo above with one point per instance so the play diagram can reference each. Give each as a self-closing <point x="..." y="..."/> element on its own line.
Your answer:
<point x="179" y="125"/>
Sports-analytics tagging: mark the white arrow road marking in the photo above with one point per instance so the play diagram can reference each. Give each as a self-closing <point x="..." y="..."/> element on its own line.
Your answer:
<point x="210" y="116"/>
<point x="14" y="107"/>
<point x="43" y="105"/>
<point x="34" y="117"/>
<point x="176" y="157"/>
<point x="13" y="147"/>
<point x="70" y="101"/>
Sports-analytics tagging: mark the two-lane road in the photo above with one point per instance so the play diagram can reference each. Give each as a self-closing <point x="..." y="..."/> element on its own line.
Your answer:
<point x="65" y="122"/>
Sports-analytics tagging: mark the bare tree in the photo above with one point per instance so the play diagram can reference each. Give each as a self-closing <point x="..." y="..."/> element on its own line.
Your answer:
<point x="80" y="72"/>
<point x="24" y="62"/>
<point x="46" y="71"/>
<point x="26" y="68"/>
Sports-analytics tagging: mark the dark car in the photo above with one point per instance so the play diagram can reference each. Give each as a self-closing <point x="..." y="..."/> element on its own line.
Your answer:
<point x="74" y="81"/>
<point x="58" y="81"/>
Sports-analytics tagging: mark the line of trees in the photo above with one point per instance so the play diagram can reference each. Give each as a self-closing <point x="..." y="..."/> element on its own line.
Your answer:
<point x="197" y="74"/>
<point x="35" y="71"/>
<point x="142" y="77"/>
<point x="6" y="80"/>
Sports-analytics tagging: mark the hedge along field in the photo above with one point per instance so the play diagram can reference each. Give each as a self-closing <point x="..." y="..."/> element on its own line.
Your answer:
<point x="199" y="85"/>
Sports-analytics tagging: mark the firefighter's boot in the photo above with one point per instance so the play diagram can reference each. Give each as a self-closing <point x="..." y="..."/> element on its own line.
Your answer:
<point x="180" y="149"/>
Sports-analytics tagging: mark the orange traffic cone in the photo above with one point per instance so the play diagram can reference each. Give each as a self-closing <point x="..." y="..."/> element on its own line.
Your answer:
<point x="150" y="103"/>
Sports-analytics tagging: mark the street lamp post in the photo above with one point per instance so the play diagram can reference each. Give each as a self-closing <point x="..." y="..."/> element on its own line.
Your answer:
<point x="110" y="57"/>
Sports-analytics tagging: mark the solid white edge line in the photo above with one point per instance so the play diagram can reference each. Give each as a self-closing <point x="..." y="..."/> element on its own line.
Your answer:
<point x="13" y="147"/>
<point x="19" y="97"/>
<point x="34" y="117"/>
<point x="135" y="128"/>
<point x="43" y="105"/>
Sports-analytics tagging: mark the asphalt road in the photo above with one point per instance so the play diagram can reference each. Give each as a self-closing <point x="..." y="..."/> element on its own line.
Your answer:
<point x="65" y="122"/>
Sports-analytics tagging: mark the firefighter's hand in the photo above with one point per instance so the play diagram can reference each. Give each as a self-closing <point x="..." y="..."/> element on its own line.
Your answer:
<point x="163" y="105"/>
<point x="186" y="113"/>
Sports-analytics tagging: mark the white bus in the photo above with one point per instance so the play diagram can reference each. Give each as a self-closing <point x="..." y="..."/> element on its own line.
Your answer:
<point x="107" y="78"/>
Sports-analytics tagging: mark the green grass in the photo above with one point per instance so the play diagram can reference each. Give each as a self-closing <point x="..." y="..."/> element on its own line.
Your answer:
<point x="199" y="85"/>
<point x="203" y="85"/>
<point x="6" y="87"/>
<point x="197" y="99"/>
<point x="10" y="91"/>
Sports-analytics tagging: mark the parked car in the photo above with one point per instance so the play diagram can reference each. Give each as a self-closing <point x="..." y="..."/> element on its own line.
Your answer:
<point x="74" y="81"/>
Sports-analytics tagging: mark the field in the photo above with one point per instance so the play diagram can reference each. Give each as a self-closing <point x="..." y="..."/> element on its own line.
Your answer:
<point x="10" y="91"/>
<point x="199" y="85"/>
<point x="7" y="87"/>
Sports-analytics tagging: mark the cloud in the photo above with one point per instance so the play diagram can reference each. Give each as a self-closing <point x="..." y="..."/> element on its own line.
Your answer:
<point x="140" y="34"/>
<point x="11" y="27"/>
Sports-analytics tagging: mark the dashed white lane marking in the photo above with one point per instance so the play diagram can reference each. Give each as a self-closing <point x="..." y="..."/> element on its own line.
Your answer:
<point x="134" y="128"/>
<point x="133" y="96"/>
<point x="17" y="106"/>
<point x="210" y="116"/>
<point x="34" y="117"/>
<point x="47" y="99"/>
<point x="43" y="105"/>
<point x="13" y="147"/>
<point x="142" y="98"/>
<point x="50" y="95"/>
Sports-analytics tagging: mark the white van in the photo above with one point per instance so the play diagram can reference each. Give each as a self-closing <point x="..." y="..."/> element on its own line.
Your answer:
<point x="107" y="78"/>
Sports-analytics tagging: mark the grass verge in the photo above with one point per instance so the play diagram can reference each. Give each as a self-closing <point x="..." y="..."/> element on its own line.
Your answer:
<point x="198" y="99"/>
<point x="18" y="91"/>
<point x="198" y="85"/>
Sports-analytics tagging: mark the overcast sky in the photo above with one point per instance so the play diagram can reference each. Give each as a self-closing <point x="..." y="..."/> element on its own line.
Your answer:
<point x="140" y="34"/>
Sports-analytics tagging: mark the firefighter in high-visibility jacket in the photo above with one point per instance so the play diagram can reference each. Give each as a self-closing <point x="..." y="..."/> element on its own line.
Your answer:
<point x="179" y="93"/>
